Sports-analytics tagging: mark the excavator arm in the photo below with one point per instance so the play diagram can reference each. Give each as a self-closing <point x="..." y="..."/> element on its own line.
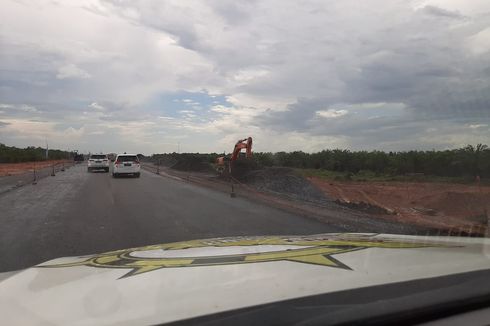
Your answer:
<point x="224" y="163"/>
<point x="242" y="144"/>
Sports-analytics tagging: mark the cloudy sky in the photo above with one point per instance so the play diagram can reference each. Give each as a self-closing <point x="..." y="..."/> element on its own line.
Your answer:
<point x="150" y="76"/>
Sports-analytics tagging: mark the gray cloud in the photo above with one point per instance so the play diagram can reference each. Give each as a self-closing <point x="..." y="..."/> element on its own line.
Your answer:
<point x="436" y="11"/>
<point x="421" y="62"/>
<point x="378" y="73"/>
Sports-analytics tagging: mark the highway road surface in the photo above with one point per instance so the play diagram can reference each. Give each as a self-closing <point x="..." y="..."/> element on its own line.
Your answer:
<point x="78" y="213"/>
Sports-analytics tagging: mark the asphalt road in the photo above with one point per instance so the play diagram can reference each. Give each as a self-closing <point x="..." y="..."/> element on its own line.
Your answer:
<point x="79" y="213"/>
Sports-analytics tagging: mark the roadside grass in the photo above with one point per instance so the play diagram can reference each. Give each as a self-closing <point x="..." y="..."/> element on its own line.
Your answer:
<point x="369" y="176"/>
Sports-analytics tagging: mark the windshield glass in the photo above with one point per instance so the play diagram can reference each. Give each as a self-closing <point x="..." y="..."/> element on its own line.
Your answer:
<point x="233" y="153"/>
<point x="127" y="158"/>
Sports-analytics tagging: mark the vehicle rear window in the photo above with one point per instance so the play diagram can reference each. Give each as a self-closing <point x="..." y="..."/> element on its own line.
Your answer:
<point x="127" y="158"/>
<point x="98" y="157"/>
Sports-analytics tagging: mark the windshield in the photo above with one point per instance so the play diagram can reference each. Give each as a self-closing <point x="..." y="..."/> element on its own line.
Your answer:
<point x="127" y="158"/>
<point x="209" y="148"/>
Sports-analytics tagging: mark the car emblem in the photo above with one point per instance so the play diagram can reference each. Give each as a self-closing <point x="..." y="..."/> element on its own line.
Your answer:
<point x="316" y="250"/>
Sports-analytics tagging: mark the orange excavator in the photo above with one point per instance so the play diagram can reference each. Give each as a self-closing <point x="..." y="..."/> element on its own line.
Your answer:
<point x="225" y="164"/>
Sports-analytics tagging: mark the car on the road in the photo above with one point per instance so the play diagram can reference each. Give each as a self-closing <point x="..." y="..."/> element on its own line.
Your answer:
<point x="126" y="164"/>
<point x="98" y="162"/>
<point x="78" y="158"/>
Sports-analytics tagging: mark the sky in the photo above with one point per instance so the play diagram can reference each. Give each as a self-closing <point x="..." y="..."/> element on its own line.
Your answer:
<point x="196" y="76"/>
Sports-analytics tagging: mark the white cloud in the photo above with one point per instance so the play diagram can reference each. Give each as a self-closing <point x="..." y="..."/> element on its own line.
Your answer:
<point x="221" y="109"/>
<point x="476" y="126"/>
<point x="97" y="106"/>
<point x="331" y="113"/>
<point x="71" y="71"/>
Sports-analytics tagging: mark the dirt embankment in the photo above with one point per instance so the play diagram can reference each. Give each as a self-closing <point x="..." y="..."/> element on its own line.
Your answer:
<point x="8" y="169"/>
<point x="437" y="205"/>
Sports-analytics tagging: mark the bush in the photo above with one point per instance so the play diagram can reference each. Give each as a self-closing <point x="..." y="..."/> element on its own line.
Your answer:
<point x="11" y="154"/>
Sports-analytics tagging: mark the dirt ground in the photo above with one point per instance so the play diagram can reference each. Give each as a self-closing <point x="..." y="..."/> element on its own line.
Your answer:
<point x="462" y="208"/>
<point x="7" y="169"/>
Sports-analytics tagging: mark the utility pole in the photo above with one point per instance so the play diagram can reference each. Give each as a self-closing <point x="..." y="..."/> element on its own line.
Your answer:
<point x="178" y="147"/>
<point x="47" y="149"/>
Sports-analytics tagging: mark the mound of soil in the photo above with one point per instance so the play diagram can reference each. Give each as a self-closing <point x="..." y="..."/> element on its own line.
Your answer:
<point x="192" y="164"/>
<point x="284" y="181"/>
<point x="240" y="169"/>
<point x="459" y="203"/>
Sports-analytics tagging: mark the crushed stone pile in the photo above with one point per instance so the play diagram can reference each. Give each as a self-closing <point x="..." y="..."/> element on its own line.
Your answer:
<point x="284" y="181"/>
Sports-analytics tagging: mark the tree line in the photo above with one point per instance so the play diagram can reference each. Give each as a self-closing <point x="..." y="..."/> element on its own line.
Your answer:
<point x="11" y="154"/>
<point x="468" y="161"/>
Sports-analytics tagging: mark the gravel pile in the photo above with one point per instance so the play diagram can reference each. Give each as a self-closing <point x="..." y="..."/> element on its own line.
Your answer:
<point x="284" y="181"/>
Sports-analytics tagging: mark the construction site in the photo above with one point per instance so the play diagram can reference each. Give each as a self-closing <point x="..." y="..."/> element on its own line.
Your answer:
<point x="446" y="207"/>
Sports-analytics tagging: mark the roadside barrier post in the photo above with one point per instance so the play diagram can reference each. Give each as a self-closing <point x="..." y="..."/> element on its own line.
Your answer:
<point x="158" y="166"/>
<point x="62" y="167"/>
<point x="487" y="231"/>
<point x="232" y="194"/>
<point x="52" y="171"/>
<point x="34" y="181"/>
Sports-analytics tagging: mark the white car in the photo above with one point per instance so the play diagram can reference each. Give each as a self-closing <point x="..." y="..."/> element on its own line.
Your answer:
<point x="98" y="162"/>
<point x="126" y="164"/>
